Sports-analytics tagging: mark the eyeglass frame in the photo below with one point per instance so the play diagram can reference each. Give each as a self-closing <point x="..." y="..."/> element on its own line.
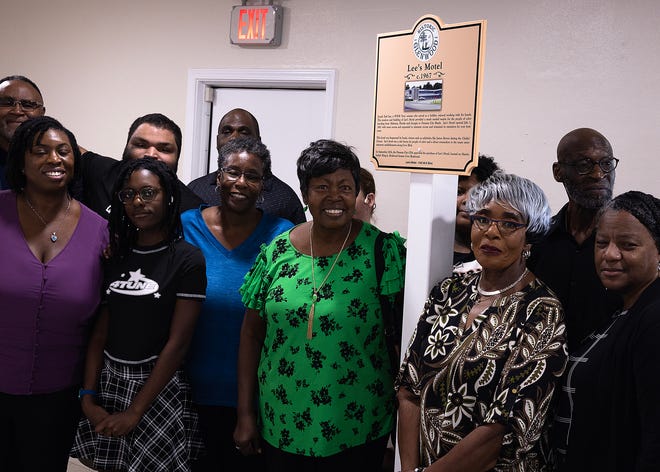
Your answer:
<point x="26" y="105"/>
<point x="138" y="193"/>
<point x="249" y="177"/>
<point x="592" y="164"/>
<point x="503" y="231"/>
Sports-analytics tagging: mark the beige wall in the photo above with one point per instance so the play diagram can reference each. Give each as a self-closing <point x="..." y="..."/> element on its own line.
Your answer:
<point x="550" y="67"/>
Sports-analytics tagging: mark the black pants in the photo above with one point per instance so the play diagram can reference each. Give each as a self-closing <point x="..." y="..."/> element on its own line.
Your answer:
<point x="217" y="425"/>
<point x="36" y="431"/>
<point x="365" y="458"/>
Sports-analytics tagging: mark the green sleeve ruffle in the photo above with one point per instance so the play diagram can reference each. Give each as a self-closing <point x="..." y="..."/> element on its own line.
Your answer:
<point x="254" y="288"/>
<point x="394" y="252"/>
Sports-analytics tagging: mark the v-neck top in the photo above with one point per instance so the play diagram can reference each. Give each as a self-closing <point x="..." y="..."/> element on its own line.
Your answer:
<point x="47" y="308"/>
<point x="503" y="368"/>
<point x="213" y="352"/>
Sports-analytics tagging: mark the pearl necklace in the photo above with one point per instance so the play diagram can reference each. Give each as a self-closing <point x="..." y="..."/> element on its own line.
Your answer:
<point x="502" y="290"/>
<point x="315" y="289"/>
<point x="53" y="235"/>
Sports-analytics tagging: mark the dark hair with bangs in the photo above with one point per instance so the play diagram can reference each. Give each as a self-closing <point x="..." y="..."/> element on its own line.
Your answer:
<point x="27" y="135"/>
<point x="123" y="234"/>
<point x="326" y="156"/>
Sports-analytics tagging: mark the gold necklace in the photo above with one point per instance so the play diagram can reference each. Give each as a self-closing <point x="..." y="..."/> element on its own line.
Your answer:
<point x="315" y="289"/>
<point x="53" y="235"/>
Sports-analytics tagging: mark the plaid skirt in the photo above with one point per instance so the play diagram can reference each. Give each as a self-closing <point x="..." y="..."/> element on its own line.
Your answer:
<point x="166" y="438"/>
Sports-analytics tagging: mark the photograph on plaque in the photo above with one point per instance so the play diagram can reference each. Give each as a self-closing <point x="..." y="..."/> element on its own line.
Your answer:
<point x="428" y="97"/>
<point x="423" y="96"/>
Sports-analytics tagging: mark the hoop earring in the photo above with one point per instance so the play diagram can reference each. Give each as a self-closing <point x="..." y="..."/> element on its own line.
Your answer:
<point x="217" y="189"/>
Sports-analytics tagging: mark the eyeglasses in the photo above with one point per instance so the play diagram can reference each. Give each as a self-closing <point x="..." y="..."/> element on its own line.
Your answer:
<point x="585" y="166"/>
<point x="11" y="102"/>
<point x="146" y="194"/>
<point x="234" y="175"/>
<point x="505" y="227"/>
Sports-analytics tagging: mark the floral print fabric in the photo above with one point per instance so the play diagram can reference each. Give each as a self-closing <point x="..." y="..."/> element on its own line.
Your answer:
<point x="322" y="395"/>
<point x="503" y="368"/>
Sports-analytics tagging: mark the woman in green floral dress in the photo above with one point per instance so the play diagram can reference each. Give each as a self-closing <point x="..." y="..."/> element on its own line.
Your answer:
<point x="315" y="383"/>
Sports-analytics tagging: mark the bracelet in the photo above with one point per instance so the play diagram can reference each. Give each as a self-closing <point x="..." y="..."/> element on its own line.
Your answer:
<point x="82" y="392"/>
<point x="419" y="469"/>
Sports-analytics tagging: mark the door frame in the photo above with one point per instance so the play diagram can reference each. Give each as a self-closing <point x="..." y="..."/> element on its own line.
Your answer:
<point x="199" y="100"/>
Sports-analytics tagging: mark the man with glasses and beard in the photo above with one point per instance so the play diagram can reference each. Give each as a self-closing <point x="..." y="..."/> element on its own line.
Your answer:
<point x="20" y="100"/>
<point x="565" y="259"/>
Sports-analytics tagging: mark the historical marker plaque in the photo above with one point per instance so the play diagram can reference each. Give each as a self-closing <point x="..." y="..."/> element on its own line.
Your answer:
<point x="428" y="97"/>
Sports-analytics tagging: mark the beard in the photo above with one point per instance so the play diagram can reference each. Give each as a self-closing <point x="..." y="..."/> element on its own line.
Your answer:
<point x="585" y="200"/>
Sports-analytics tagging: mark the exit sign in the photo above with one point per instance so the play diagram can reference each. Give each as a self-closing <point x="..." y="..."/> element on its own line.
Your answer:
<point x="256" y="25"/>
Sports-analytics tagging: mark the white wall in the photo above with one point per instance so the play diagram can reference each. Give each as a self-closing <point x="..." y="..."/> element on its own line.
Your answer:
<point x="550" y="67"/>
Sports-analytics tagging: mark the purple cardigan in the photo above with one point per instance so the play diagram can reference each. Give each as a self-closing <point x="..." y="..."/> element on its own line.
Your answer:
<point x="46" y="309"/>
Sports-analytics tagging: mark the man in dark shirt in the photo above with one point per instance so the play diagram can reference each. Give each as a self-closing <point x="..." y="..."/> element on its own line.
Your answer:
<point x="565" y="259"/>
<point x="153" y="135"/>
<point x="20" y="100"/>
<point x="277" y="197"/>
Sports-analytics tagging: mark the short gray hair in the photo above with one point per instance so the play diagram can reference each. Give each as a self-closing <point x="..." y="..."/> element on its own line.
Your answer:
<point x="519" y="193"/>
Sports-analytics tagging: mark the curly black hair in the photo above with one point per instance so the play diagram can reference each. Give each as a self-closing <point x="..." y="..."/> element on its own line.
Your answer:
<point x="326" y="156"/>
<point x="485" y="168"/>
<point x="250" y="145"/>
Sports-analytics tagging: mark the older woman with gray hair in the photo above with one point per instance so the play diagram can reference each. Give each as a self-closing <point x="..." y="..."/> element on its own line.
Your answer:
<point x="483" y="364"/>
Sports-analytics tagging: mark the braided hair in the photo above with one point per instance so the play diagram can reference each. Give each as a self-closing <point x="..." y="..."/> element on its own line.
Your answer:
<point x="28" y="134"/>
<point x="644" y="207"/>
<point x="123" y="234"/>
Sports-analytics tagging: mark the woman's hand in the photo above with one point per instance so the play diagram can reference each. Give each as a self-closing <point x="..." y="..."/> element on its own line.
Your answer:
<point x="118" y="424"/>
<point x="93" y="412"/>
<point x="246" y="435"/>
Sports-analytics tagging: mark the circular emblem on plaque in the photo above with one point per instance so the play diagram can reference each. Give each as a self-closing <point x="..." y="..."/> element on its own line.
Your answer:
<point x="425" y="41"/>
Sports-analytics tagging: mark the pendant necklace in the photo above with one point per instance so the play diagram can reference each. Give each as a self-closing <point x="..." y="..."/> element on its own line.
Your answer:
<point x="53" y="235"/>
<point x="315" y="289"/>
<point x="502" y="290"/>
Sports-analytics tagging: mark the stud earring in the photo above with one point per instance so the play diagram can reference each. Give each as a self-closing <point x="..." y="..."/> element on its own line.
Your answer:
<point x="526" y="253"/>
<point x="305" y="208"/>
